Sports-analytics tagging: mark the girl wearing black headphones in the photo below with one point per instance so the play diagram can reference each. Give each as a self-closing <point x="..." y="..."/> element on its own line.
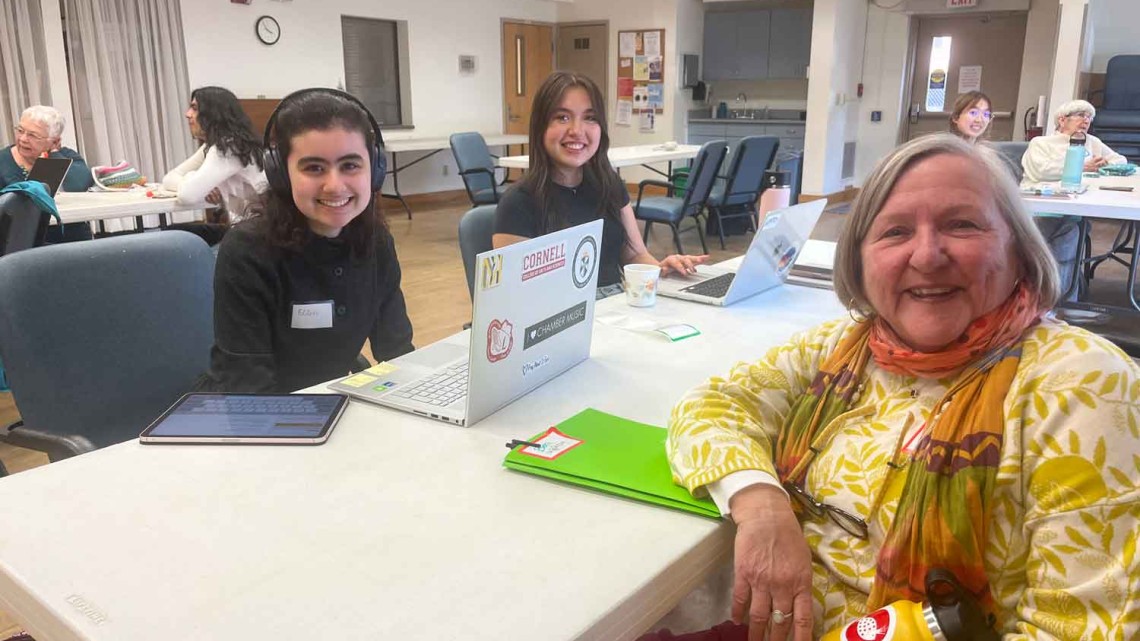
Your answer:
<point x="300" y="285"/>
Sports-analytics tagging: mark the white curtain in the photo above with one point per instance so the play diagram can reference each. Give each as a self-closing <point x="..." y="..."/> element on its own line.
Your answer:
<point x="129" y="84"/>
<point x="23" y="63"/>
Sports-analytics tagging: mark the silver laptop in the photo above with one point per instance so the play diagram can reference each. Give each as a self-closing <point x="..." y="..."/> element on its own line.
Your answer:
<point x="770" y="257"/>
<point x="533" y="320"/>
<point x="51" y="172"/>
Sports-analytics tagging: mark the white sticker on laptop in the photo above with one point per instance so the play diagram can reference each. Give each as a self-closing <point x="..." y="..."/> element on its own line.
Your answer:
<point x="312" y="315"/>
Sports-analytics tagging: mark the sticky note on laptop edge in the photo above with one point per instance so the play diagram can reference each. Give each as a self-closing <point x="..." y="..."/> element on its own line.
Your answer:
<point x="611" y="454"/>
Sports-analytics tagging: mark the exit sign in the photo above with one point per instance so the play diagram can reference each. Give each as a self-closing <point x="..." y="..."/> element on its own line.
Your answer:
<point x="960" y="4"/>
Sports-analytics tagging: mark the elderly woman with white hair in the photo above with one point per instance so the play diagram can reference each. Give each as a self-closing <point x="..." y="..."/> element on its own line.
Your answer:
<point x="1045" y="158"/>
<point x="1044" y="161"/>
<point x="38" y="136"/>
<point x="949" y="422"/>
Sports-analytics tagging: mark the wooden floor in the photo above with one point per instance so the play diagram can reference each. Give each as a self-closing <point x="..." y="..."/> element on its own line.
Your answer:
<point x="436" y="290"/>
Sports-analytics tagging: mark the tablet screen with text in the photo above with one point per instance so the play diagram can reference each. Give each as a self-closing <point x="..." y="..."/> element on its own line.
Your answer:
<point x="248" y="418"/>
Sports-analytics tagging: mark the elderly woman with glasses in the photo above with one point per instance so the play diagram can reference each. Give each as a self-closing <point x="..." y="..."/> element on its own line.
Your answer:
<point x="948" y="422"/>
<point x="1043" y="162"/>
<point x="38" y="136"/>
<point x="1045" y="158"/>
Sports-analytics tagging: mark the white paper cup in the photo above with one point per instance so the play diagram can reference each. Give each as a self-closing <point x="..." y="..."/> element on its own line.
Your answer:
<point x="641" y="284"/>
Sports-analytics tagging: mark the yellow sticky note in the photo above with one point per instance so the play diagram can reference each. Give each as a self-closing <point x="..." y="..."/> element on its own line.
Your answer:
<point x="382" y="368"/>
<point x="358" y="380"/>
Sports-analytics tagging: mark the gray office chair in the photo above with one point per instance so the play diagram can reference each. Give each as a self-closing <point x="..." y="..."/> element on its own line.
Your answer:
<point x="23" y="224"/>
<point x="736" y="195"/>
<point x="1012" y="152"/>
<point x="476" y="167"/>
<point x="671" y="210"/>
<point x="99" y="338"/>
<point x="475" y="230"/>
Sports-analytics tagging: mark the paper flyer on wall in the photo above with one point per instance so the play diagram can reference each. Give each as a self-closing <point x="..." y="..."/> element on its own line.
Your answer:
<point x="656" y="96"/>
<point x="640" y="68"/>
<point x="648" y="121"/>
<point x="969" y="78"/>
<point x="655" y="68"/>
<point x="627" y="44"/>
<point x="625" y="87"/>
<point x="640" y="97"/>
<point x="624" y="113"/>
<point x="652" y="43"/>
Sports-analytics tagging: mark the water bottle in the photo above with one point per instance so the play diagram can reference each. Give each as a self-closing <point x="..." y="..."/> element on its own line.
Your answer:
<point x="950" y="614"/>
<point x="776" y="195"/>
<point x="1074" y="163"/>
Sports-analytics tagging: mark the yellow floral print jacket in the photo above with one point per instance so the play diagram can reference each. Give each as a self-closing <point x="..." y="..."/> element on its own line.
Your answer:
<point x="1061" y="552"/>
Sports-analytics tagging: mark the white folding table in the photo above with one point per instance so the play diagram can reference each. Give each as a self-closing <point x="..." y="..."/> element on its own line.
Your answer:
<point x="399" y="527"/>
<point x="644" y="155"/>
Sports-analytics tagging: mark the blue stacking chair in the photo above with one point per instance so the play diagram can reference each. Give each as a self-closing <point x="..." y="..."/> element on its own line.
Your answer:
<point x="671" y="210"/>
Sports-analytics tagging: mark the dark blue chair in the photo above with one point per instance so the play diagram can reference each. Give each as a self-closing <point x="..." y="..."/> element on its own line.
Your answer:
<point x="1012" y="153"/>
<point x="475" y="230"/>
<point x="735" y="195"/>
<point x="1117" y="122"/>
<point x="23" y="224"/>
<point x="671" y="210"/>
<point x="99" y="338"/>
<point x="476" y="167"/>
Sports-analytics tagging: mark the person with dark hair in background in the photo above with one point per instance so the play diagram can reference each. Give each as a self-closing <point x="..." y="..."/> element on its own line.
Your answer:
<point x="571" y="182"/>
<point x="971" y="115"/>
<point x="226" y="169"/>
<point x="313" y="272"/>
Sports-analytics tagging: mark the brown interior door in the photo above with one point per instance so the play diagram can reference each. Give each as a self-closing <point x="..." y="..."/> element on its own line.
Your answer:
<point x="582" y="49"/>
<point x="995" y="42"/>
<point x="528" y="56"/>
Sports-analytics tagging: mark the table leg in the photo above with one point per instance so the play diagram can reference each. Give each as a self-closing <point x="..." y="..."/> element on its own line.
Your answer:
<point x="395" y="171"/>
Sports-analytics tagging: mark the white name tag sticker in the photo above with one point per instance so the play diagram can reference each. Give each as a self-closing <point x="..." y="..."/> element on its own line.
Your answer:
<point x="312" y="315"/>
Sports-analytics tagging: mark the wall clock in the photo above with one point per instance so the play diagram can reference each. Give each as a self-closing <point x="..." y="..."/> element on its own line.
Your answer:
<point x="268" y="31"/>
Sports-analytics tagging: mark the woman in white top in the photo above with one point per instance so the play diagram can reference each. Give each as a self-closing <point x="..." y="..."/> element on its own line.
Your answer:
<point x="1045" y="158"/>
<point x="226" y="170"/>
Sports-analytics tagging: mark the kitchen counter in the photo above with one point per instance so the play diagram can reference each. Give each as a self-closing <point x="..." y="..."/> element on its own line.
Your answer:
<point x="745" y="121"/>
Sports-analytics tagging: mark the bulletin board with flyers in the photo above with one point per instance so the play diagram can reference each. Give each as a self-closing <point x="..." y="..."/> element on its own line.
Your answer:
<point x="641" y="77"/>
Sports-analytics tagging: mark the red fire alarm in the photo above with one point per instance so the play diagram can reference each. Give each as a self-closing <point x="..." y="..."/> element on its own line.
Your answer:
<point x="859" y="90"/>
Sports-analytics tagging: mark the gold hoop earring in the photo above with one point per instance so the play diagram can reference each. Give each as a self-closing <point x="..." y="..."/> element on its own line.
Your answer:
<point x="852" y="309"/>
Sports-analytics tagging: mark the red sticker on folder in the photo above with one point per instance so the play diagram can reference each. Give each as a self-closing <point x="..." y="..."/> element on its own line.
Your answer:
<point x="551" y="445"/>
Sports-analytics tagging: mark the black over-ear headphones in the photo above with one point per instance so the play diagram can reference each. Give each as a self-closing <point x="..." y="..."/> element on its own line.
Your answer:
<point x="277" y="168"/>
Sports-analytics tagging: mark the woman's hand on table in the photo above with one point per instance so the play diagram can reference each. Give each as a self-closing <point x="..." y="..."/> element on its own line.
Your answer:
<point x="1093" y="163"/>
<point x="681" y="264"/>
<point x="772" y="566"/>
<point x="214" y="197"/>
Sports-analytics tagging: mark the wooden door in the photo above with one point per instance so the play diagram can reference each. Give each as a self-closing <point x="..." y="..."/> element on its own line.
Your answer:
<point x="582" y="49"/>
<point x="528" y="58"/>
<point x="995" y="42"/>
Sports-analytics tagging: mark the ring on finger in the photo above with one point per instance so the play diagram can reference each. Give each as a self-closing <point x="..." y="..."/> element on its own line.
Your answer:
<point x="779" y="617"/>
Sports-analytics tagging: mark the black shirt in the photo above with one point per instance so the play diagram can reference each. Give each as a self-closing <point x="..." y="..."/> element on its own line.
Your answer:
<point x="256" y="288"/>
<point x="517" y="214"/>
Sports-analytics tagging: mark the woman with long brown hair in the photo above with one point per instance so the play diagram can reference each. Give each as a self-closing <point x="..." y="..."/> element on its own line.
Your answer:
<point x="571" y="181"/>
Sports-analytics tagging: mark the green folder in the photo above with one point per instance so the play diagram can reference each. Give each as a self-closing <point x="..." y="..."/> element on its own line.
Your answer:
<point x="617" y="456"/>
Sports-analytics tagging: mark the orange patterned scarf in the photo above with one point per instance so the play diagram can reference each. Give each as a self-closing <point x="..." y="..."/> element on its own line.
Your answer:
<point x="944" y="507"/>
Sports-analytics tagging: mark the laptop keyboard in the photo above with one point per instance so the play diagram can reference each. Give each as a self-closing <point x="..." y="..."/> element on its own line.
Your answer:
<point x="713" y="288"/>
<point x="441" y="389"/>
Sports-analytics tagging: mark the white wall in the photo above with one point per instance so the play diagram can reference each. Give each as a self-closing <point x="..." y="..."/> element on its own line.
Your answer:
<point x="1037" y="62"/>
<point x="838" y="28"/>
<point x="690" y="27"/>
<point x="1067" y="60"/>
<point x="884" y="80"/>
<point x="1114" y="25"/>
<point x="221" y="49"/>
